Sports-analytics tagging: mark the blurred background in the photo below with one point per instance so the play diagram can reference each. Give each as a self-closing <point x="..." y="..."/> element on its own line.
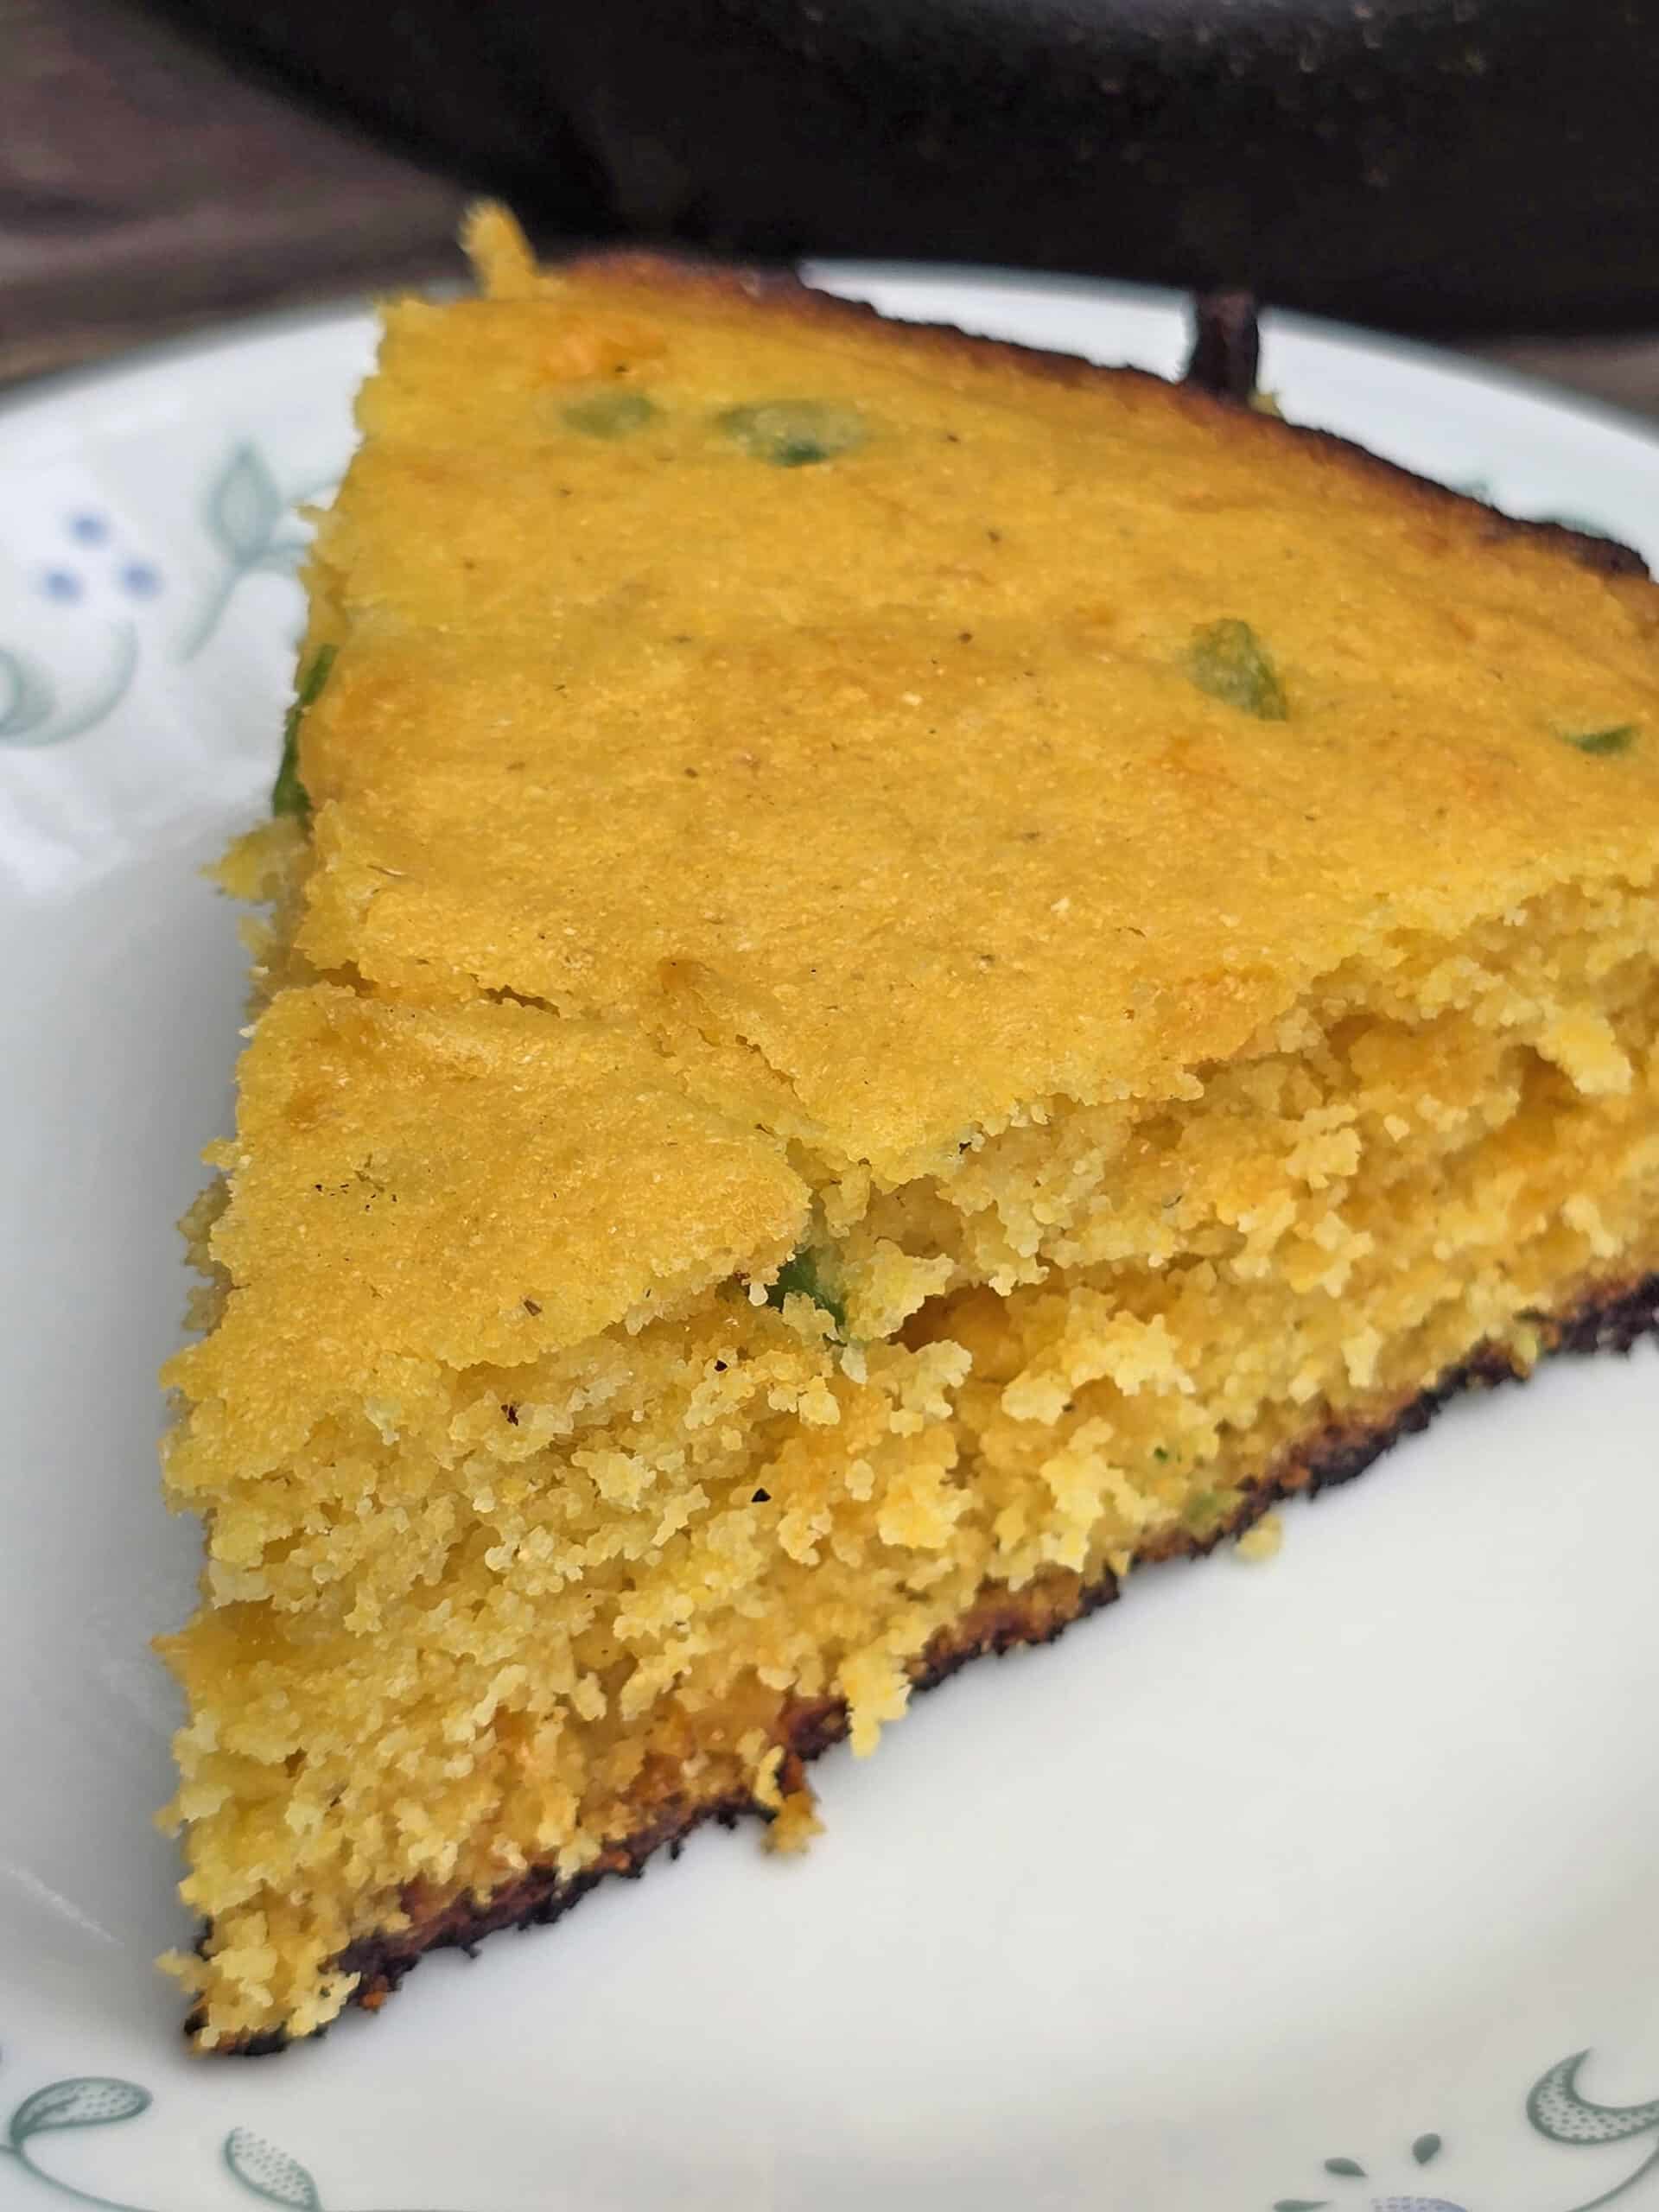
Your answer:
<point x="1479" y="171"/>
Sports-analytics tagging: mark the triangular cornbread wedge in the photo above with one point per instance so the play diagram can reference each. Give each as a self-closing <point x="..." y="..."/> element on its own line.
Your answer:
<point x="905" y="973"/>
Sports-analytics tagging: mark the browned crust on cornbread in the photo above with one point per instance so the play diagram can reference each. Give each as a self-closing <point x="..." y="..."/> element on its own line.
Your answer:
<point x="1608" y="1319"/>
<point x="784" y="293"/>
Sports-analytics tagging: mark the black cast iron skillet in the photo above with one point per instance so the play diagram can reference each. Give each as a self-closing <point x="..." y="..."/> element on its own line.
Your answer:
<point x="1436" y="164"/>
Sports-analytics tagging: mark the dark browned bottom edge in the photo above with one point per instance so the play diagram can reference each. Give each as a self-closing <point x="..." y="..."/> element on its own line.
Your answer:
<point x="1609" y="1320"/>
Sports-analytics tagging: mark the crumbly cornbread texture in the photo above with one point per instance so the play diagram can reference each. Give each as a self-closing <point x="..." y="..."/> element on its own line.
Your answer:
<point x="902" y="970"/>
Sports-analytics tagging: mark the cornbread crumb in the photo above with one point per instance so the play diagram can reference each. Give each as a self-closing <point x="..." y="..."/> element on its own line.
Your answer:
<point x="899" y="976"/>
<point x="1261" y="1540"/>
<point x="796" y="1824"/>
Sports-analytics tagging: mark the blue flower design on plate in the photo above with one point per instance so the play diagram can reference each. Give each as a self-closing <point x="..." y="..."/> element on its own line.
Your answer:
<point x="139" y="580"/>
<point x="247" y="519"/>
<point x="134" y="575"/>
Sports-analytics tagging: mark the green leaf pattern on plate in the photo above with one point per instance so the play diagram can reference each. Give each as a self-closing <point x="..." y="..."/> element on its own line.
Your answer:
<point x="1557" y="2111"/>
<point x="27" y="698"/>
<point x="269" y="2172"/>
<point x="33" y="710"/>
<point x="99" y="2100"/>
<point x="244" y="511"/>
<point x="1555" y="2106"/>
<point x="244" y="506"/>
<point x="89" y="2101"/>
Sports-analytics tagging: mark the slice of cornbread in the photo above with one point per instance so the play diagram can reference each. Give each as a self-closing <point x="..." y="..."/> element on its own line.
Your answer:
<point x="905" y="973"/>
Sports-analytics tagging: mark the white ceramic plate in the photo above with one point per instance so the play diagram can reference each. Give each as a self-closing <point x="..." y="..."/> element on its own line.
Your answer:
<point x="1278" y="1885"/>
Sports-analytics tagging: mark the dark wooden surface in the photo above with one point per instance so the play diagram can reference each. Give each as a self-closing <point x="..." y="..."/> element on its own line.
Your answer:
<point x="145" y="188"/>
<point x="148" y="187"/>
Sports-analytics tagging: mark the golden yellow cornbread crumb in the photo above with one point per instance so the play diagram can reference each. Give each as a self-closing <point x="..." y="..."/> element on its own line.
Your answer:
<point x="1263" y="1540"/>
<point x="895" y="978"/>
<point x="796" y="1824"/>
